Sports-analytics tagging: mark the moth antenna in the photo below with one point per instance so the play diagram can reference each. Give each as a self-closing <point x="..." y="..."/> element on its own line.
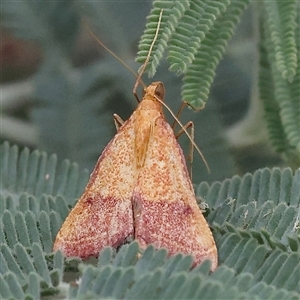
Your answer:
<point x="142" y="70"/>
<point x="186" y="132"/>
<point x="112" y="53"/>
<point x="178" y="113"/>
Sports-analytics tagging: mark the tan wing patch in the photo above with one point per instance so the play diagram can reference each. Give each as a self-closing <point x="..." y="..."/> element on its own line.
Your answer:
<point x="103" y="214"/>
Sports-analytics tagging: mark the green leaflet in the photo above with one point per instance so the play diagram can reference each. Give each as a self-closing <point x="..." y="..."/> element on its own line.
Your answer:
<point x="157" y="282"/>
<point x="281" y="19"/>
<point x="280" y="77"/>
<point x="28" y="272"/>
<point x="172" y="13"/>
<point x="190" y="33"/>
<point x="255" y="221"/>
<point x="36" y="174"/>
<point x="199" y="75"/>
<point x="276" y="185"/>
<point x="264" y="205"/>
<point x="195" y="48"/>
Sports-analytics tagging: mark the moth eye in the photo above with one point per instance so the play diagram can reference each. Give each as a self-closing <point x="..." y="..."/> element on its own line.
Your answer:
<point x="160" y="91"/>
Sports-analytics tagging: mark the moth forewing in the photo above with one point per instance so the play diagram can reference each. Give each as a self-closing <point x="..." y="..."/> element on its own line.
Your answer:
<point x="167" y="214"/>
<point x="103" y="214"/>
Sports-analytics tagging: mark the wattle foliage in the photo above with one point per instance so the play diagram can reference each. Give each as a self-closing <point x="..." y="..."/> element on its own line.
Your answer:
<point x="254" y="218"/>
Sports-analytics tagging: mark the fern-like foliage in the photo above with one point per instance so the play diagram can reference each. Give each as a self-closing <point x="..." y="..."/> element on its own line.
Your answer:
<point x="281" y="19"/>
<point x="269" y="214"/>
<point x="196" y="33"/>
<point x="37" y="174"/>
<point x="192" y="31"/>
<point x="254" y="218"/>
<point x="271" y="107"/>
<point x="185" y="42"/>
<point x="280" y="81"/>
<point x="27" y="272"/>
<point x="154" y="276"/>
<point x="280" y="186"/>
<point x="172" y="13"/>
<point x="199" y="76"/>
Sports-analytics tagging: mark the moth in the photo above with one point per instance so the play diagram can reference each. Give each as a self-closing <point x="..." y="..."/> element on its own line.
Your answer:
<point x="139" y="189"/>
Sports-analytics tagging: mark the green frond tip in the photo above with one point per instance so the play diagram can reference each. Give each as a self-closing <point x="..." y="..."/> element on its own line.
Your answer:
<point x="282" y="186"/>
<point x="200" y="74"/>
<point x="191" y="30"/>
<point x="37" y="173"/>
<point x="281" y="106"/>
<point x="172" y="11"/>
<point x="271" y="107"/>
<point x="195" y="47"/>
<point x="281" y="18"/>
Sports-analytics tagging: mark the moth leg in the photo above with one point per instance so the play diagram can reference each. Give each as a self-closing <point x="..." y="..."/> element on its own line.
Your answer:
<point x="183" y="104"/>
<point x="188" y="125"/>
<point x="118" y="121"/>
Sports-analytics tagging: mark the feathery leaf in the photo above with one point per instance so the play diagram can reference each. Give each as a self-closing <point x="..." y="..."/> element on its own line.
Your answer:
<point x="281" y="19"/>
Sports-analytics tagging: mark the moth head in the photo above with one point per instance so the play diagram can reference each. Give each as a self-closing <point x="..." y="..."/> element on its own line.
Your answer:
<point x="157" y="90"/>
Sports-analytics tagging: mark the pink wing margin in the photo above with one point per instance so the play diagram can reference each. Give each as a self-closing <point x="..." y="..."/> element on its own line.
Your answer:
<point x="166" y="213"/>
<point x="103" y="215"/>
